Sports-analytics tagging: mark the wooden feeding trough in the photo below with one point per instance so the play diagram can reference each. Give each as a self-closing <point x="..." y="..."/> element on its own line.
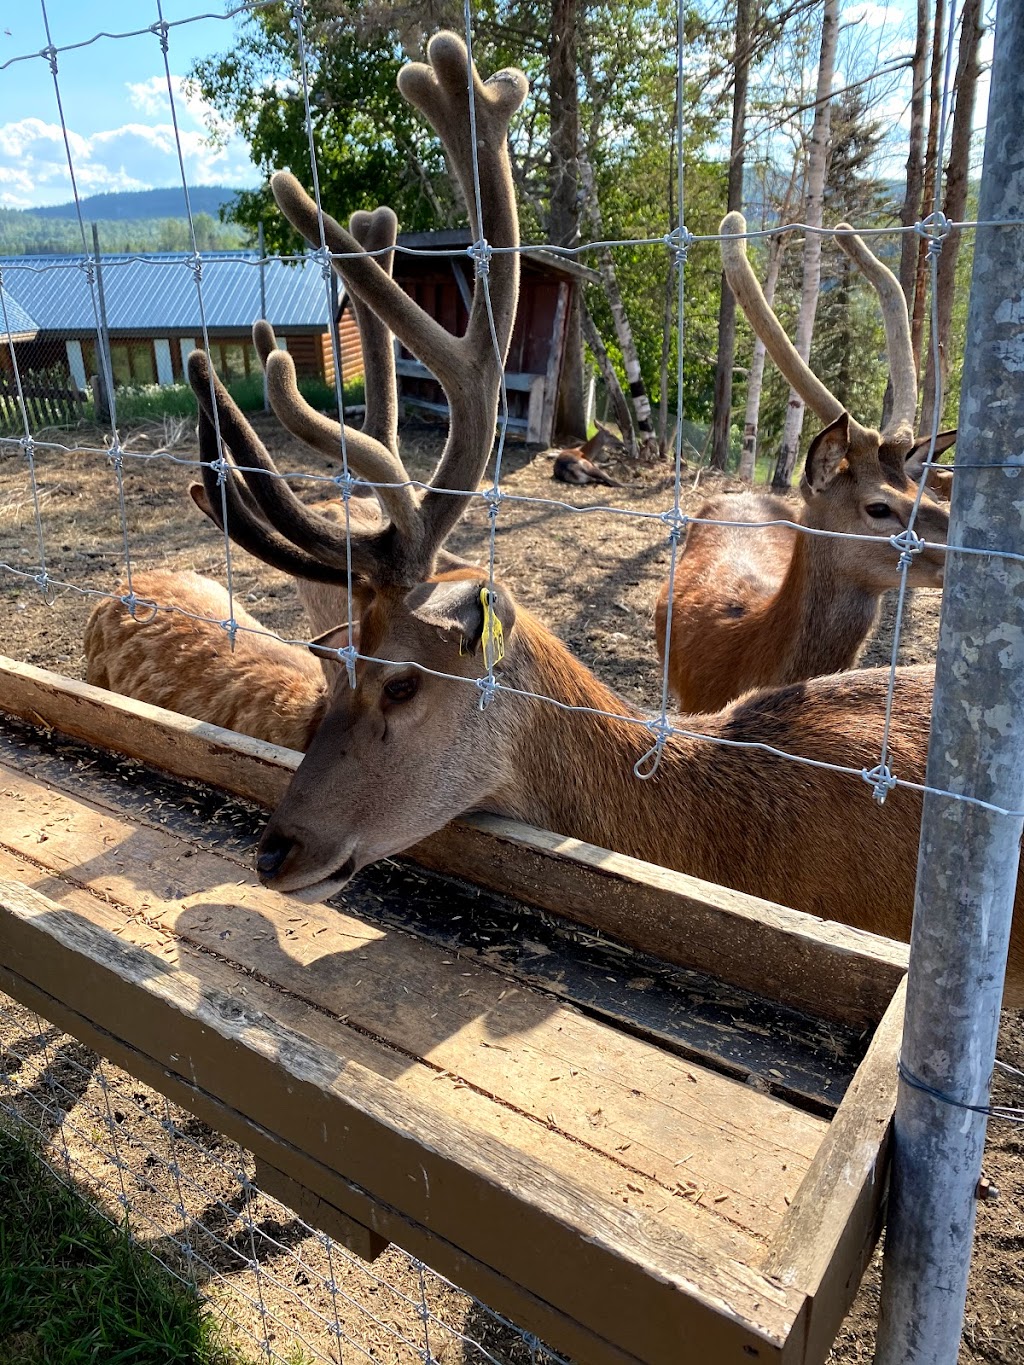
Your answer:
<point x="637" y="1157"/>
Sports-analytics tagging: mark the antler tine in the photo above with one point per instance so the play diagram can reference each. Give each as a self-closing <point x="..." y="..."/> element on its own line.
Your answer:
<point x="370" y="458"/>
<point x="286" y="513"/>
<point x="744" y="284"/>
<point x="468" y="367"/>
<point x="374" y="232"/>
<point x="899" y="429"/>
<point x="245" y="524"/>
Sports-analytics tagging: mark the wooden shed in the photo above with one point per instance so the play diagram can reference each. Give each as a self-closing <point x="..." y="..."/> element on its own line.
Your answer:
<point x="440" y="278"/>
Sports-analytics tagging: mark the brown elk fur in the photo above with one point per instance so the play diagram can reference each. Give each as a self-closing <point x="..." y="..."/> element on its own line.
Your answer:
<point x="265" y="688"/>
<point x="574" y="464"/>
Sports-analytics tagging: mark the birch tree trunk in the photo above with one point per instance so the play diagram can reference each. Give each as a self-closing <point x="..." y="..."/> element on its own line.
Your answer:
<point x="931" y="170"/>
<point x="646" y="439"/>
<point x="817" y="163"/>
<point x="615" y="395"/>
<point x="755" y="379"/>
<point x="564" y="210"/>
<point x="722" y="420"/>
<point x="955" y="206"/>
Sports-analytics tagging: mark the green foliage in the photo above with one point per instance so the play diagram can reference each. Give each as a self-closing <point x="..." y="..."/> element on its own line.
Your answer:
<point x="152" y="401"/>
<point x="75" y="1291"/>
<point x="26" y="234"/>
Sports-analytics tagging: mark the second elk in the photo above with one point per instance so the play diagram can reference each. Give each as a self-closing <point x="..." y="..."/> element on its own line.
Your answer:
<point x="439" y="720"/>
<point x="770" y="605"/>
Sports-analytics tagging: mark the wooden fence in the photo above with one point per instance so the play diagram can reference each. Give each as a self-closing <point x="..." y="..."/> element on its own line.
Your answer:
<point x="51" y="400"/>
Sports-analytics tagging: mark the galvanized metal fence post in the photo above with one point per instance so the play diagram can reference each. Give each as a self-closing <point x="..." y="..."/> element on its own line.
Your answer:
<point x="967" y="866"/>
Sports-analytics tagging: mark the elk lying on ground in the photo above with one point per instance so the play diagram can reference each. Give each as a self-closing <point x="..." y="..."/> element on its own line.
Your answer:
<point x="574" y="465"/>
<point x="755" y="609"/>
<point x="265" y="688"/>
<point x="409" y="747"/>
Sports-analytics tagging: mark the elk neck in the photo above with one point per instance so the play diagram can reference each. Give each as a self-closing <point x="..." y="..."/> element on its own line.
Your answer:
<point x="817" y="620"/>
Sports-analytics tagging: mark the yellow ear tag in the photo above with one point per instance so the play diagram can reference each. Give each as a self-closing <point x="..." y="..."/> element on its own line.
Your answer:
<point x="493" y="638"/>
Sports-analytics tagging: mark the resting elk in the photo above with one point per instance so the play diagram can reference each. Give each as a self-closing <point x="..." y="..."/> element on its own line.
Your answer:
<point x="164" y="655"/>
<point x="574" y="465"/>
<point x="408" y="747"/>
<point x="757" y="609"/>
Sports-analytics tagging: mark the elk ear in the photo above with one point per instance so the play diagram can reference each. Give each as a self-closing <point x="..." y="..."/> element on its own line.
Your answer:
<point x="197" y="493"/>
<point x="455" y="607"/>
<point x="828" y="453"/>
<point x="325" y="646"/>
<point x="918" y="453"/>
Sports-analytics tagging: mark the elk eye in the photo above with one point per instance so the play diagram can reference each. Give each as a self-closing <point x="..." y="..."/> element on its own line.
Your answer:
<point x="402" y="689"/>
<point x="878" y="509"/>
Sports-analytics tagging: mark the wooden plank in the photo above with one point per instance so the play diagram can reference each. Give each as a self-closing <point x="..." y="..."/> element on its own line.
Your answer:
<point x="746" y="1150"/>
<point x="319" y="1213"/>
<point x="554" y="370"/>
<point x="535" y="413"/>
<point x="491" y="1288"/>
<point x="414" y="369"/>
<point x="641" y="1287"/>
<point x="833" y="971"/>
<point x="829" y="1232"/>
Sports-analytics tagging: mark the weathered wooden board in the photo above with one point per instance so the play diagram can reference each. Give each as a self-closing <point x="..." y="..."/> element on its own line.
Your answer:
<point x="642" y="1108"/>
<point x="833" y="971"/>
<point x="638" y="1275"/>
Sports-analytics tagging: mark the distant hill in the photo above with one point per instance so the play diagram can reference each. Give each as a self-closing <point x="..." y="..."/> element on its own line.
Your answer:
<point x="128" y="205"/>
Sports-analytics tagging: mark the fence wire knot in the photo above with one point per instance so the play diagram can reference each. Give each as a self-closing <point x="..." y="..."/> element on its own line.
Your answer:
<point x="487" y="687"/>
<point x="50" y="53"/>
<point x="679" y="241"/>
<point x="161" y="28"/>
<point x="909" y="544"/>
<point x="116" y="455"/>
<point x="323" y="258"/>
<point x="197" y="267"/>
<point x="881" y="780"/>
<point x="934" y="229"/>
<point x="677" y="522"/>
<point x="231" y="626"/>
<point x="348" y="654"/>
<point x="28" y="445"/>
<point x="345" y="484"/>
<point x="221" y="466"/>
<point x="648" y="763"/>
<point x="480" y="252"/>
<point x="88" y="268"/>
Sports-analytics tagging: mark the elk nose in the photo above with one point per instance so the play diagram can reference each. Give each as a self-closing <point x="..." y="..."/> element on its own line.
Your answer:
<point x="272" y="854"/>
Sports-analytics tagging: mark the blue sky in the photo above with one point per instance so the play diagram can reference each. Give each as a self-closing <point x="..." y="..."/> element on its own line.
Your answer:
<point x="115" y="101"/>
<point x="116" y="104"/>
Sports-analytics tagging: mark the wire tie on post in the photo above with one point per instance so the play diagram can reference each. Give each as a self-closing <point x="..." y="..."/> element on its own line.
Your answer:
<point x="881" y="780"/>
<point x="648" y="763"/>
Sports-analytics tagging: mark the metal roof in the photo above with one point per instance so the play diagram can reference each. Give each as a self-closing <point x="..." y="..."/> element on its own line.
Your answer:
<point x="13" y="317"/>
<point x="157" y="294"/>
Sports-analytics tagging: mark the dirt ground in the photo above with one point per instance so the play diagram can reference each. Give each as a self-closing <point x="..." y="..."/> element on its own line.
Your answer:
<point x="593" y="577"/>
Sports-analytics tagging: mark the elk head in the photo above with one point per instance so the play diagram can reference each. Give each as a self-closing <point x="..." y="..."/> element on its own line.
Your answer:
<point x="855" y="479"/>
<point x="400" y="752"/>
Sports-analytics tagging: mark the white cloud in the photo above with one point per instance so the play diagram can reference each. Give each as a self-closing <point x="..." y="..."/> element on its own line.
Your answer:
<point x="871" y="15"/>
<point x="138" y="154"/>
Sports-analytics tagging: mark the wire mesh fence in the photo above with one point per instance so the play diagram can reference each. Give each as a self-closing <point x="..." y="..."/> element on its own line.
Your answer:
<point x="114" y="372"/>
